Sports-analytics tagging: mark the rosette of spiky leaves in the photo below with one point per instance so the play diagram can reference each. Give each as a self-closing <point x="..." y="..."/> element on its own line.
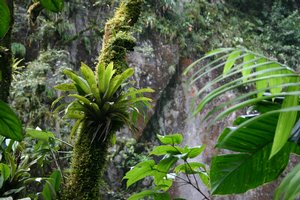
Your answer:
<point x="100" y="101"/>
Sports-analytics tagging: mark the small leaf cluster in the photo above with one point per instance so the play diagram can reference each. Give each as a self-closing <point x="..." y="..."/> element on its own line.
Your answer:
<point x="166" y="170"/>
<point x="100" y="100"/>
<point x="20" y="161"/>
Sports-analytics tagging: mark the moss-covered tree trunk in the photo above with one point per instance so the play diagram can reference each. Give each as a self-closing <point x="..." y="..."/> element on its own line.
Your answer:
<point x="6" y="59"/>
<point x="89" y="158"/>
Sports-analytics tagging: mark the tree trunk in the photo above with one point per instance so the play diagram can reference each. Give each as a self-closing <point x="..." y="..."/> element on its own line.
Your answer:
<point x="6" y="58"/>
<point x="87" y="166"/>
<point x="89" y="158"/>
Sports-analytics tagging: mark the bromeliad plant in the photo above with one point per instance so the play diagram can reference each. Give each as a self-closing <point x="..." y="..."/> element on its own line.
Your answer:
<point x="100" y="101"/>
<point x="101" y="106"/>
<point x="262" y="140"/>
<point x="167" y="171"/>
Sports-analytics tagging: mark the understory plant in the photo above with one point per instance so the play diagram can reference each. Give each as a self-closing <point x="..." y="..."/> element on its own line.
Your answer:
<point x="262" y="140"/>
<point x="172" y="164"/>
<point x="102" y="104"/>
<point x="21" y="156"/>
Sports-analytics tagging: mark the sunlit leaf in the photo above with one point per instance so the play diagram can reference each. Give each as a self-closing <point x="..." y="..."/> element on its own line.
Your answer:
<point x="165" y="149"/>
<point x="170" y="139"/>
<point x="195" y="151"/>
<point x="39" y="134"/>
<point x="140" y="171"/>
<point x="233" y="56"/>
<point x="286" y="121"/>
<point x="189" y="168"/>
<point x="247" y="63"/>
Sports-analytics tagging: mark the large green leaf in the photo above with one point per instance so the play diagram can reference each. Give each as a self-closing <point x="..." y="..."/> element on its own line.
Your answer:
<point x="233" y="56"/>
<point x="4" y="18"/>
<point x="163" y="167"/>
<point x="10" y="124"/>
<point x="165" y="149"/>
<point x="53" y="5"/>
<point x="286" y="121"/>
<point x="250" y="135"/>
<point x="39" y="134"/>
<point x="248" y="62"/>
<point x="80" y="83"/>
<point x="90" y="77"/>
<point x="237" y="173"/>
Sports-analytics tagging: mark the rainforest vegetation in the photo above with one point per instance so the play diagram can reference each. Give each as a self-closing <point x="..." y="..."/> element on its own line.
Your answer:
<point x="149" y="99"/>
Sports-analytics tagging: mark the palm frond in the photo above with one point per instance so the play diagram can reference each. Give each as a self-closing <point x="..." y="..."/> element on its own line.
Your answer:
<point x="266" y="78"/>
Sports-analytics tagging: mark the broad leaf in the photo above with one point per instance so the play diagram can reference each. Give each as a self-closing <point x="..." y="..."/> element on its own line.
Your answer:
<point x="165" y="149"/>
<point x="39" y="134"/>
<point x="262" y="84"/>
<point x="80" y="83"/>
<point x="118" y="80"/>
<point x="140" y="171"/>
<point x="4" y="173"/>
<point x="233" y="56"/>
<point x="163" y="167"/>
<point x="89" y="76"/>
<point x="4" y="18"/>
<point x="195" y="151"/>
<point x="249" y="136"/>
<point x="286" y="121"/>
<point x="53" y="5"/>
<point x="247" y="63"/>
<point x="237" y="173"/>
<point x="10" y="124"/>
<point x="170" y="139"/>
<point x="52" y="186"/>
<point x="189" y="168"/>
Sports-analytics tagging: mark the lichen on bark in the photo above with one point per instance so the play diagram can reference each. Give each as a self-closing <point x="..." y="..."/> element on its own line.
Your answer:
<point x="118" y="38"/>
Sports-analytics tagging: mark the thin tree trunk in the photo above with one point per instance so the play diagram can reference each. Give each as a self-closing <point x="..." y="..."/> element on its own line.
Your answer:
<point x="6" y="58"/>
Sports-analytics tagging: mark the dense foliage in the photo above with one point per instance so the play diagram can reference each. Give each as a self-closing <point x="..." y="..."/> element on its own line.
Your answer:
<point x="101" y="100"/>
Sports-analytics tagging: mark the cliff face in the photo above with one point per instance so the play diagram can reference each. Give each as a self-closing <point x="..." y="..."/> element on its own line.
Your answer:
<point x="166" y="45"/>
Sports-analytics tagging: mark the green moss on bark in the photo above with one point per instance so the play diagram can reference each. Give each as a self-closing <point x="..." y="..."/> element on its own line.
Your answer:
<point x="118" y="39"/>
<point x="87" y="165"/>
